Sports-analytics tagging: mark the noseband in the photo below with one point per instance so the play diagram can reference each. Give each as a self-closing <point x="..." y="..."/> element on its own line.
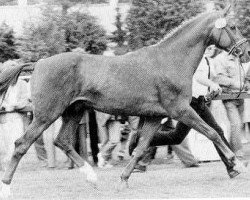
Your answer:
<point x="236" y="48"/>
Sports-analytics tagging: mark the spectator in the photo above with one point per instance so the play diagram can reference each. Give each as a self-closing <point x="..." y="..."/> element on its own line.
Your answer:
<point x="125" y="130"/>
<point x="14" y="97"/>
<point x="246" y="117"/>
<point x="230" y="76"/>
<point x="128" y="128"/>
<point x="109" y="127"/>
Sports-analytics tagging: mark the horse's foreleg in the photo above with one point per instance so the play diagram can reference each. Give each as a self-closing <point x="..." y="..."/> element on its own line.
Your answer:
<point x="191" y="118"/>
<point x="207" y="116"/>
<point x="22" y="145"/>
<point x="149" y="127"/>
<point x="65" y="142"/>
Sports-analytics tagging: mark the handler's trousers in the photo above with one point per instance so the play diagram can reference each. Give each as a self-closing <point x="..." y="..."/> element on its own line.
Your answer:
<point x="168" y="136"/>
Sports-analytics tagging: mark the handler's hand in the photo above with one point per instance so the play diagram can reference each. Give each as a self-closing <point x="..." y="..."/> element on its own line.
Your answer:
<point x="215" y="89"/>
<point x="247" y="86"/>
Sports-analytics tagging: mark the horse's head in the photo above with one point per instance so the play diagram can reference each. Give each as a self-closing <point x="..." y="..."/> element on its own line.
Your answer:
<point x="226" y="35"/>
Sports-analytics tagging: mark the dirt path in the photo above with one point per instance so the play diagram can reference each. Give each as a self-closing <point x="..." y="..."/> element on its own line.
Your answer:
<point x="161" y="181"/>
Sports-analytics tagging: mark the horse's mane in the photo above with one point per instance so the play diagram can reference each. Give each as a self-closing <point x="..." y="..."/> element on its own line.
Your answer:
<point x="175" y="30"/>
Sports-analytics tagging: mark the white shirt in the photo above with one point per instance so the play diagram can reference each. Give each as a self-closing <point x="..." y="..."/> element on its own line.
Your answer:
<point x="200" y="74"/>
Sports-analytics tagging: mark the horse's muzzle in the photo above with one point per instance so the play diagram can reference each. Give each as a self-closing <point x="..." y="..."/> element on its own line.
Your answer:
<point x="245" y="57"/>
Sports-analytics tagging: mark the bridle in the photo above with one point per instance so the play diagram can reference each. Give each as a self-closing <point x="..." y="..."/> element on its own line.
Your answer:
<point x="236" y="48"/>
<point x="237" y="51"/>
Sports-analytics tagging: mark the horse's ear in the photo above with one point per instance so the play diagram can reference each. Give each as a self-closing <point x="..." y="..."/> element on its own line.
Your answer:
<point x="226" y="10"/>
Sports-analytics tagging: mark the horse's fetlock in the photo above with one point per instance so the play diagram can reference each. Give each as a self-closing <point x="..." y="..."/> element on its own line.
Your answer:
<point x="216" y="138"/>
<point x="18" y="153"/>
<point x="20" y="148"/>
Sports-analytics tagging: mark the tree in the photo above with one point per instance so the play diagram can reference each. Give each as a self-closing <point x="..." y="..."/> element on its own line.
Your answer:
<point x="82" y="30"/>
<point x="7" y="43"/>
<point x="243" y="17"/>
<point x="119" y="35"/>
<point x="43" y="38"/>
<point x="55" y="33"/>
<point x="8" y="2"/>
<point x="148" y="21"/>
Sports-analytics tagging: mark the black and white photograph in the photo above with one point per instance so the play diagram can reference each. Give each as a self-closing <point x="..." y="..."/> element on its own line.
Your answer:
<point x="124" y="99"/>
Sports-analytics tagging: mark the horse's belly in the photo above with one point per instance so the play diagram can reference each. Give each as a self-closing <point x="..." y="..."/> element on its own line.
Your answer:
<point x="131" y="109"/>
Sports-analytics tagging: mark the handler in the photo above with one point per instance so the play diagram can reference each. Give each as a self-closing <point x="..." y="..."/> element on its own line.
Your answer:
<point x="168" y="135"/>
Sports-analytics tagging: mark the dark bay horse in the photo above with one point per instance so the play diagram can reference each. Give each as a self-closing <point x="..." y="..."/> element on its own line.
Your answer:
<point x="153" y="82"/>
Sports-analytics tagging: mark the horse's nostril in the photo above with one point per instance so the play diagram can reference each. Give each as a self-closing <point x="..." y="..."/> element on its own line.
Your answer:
<point x="249" y="53"/>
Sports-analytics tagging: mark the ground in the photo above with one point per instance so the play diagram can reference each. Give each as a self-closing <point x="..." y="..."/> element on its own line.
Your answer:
<point x="162" y="180"/>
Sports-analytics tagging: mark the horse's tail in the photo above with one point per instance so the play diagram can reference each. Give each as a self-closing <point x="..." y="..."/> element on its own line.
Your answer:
<point x="10" y="75"/>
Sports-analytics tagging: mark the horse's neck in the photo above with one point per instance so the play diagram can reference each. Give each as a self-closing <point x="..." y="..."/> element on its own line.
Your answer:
<point x="189" y="42"/>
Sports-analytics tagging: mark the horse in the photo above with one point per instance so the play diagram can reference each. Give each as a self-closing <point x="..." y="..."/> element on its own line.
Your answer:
<point x="153" y="82"/>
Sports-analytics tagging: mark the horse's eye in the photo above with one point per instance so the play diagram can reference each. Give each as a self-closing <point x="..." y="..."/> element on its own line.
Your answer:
<point x="233" y="27"/>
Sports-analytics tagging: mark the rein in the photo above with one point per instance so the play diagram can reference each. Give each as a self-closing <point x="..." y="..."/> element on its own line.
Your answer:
<point x="236" y="47"/>
<point x="243" y="86"/>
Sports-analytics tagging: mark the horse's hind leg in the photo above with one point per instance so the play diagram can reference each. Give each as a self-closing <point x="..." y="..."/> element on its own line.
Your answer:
<point x="147" y="126"/>
<point x="65" y="141"/>
<point x="189" y="117"/>
<point x="22" y="145"/>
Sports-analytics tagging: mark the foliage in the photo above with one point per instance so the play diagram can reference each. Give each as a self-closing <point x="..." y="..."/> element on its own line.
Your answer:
<point x="55" y="33"/>
<point x="82" y="30"/>
<point x="7" y="43"/>
<point x="43" y="38"/>
<point x="8" y="2"/>
<point x="149" y="20"/>
<point x="243" y="16"/>
<point x="119" y="35"/>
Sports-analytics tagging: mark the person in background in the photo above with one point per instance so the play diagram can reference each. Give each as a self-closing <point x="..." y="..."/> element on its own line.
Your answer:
<point x="110" y="132"/>
<point x="246" y="118"/>
<point x="129" y="126"/>
<point x="231" y="77"/>
<point x="14" y="99"/>
<point x="125" y="130"/>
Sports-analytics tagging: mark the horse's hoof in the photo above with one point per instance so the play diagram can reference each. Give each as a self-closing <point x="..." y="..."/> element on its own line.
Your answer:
<point x="233" y="173"/>
<point x="91" y="176"/>
<point x="122" y="186"/>
<point x="240" y="167"/>
<point x="5" y="191"/>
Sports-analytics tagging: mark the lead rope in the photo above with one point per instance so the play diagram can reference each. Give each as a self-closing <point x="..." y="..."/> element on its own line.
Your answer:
<point x="240" y="67"/>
